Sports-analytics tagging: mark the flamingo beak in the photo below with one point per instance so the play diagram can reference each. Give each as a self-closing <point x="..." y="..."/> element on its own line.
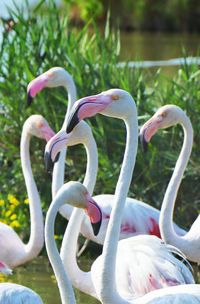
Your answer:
<point x="53" y="148"/>
<point x="29" y="99"/>
<point x="49" y="164"/>
<point x="143" y="141"/>
<point x="87" y="107"/>
<point x="35" y="86"/>
<point x="95" y="214"/>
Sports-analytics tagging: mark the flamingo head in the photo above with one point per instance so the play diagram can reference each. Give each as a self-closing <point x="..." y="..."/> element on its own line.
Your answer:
<point x="165" y="117"/>
<point x="4" y="268"/>
<point x="114" y="102"/>
<point x="37" y="125"/>
<point x="80" y="135"/>
<point x="54" y="77"/>
<point x="80" y="198"/>
<point x="53" y="148"/>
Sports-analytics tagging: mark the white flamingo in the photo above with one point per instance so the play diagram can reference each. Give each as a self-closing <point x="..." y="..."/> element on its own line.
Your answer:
<point x="157" y="266"/>
<point x="165" y="117"/>
<point x="138" y="217"/>
<point x="77" y="195"/>
<point x="13" y="251"/>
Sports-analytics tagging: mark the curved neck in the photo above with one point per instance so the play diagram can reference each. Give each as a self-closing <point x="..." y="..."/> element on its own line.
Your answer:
<point x="65" y="287"/>
<point x="36" y="240"/>
<point x="108" y="292"/>
<point x="167" y="208"/>
<point x="59" y="167"/>
<point x="80" y="279"/>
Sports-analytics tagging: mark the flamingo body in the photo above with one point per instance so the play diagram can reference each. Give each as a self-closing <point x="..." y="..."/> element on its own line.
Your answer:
<point x="153" y="262"/>
<point x="17" y="294"/>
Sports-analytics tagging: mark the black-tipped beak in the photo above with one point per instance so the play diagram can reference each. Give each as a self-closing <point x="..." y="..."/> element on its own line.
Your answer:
<point x="49" y="164"/>
<point x="96" y="227"/>
<point x="29" y="99"/>
<point x="143" y="142"/>
<point x="73" y="121"/>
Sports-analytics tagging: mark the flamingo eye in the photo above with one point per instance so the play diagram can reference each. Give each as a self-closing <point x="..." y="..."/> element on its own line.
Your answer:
<point x="40" y="125"/>
<point x="164" y="114"/>
<point x="115" y="97"/>
<point x="50" y="74"/>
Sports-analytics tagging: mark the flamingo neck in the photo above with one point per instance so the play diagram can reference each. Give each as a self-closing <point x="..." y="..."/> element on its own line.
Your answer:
<point x="65" y="287"/>
<point x="59" y="167"/>
<point x="36" y="240"/>
<point x="108" y="292"/>
<point x="166" y="215"/>
<point x="80" y="279"/>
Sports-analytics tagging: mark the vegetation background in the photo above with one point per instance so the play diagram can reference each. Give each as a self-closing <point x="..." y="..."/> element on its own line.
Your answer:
<point x="45" y="37"/>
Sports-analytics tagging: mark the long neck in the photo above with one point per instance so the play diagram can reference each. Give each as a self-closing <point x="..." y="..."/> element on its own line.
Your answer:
<point x="59" y="167"/>
<point x="108" y="292"/>
<point x="65" y="287"/>
<point x="36" y="240"/>
<point x="80" y="279"/>
<point x="166" y="216"/>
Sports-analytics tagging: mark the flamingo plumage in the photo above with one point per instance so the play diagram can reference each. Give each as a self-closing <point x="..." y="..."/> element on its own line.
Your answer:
<point x="13" y="251"/>
<point x="116" y="257"/>
<point x="138" y="217"/>
<point x="167" y="116"/>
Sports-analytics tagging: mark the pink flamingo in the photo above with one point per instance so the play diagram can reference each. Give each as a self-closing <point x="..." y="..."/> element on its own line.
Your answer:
<point x="138" y="217"/>
<point x="13" y="251"/>
<point x="166" y="116"/>
<point x="138" y="264"/>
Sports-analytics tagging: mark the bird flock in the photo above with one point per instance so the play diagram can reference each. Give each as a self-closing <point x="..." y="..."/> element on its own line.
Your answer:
<point x="145" y="254"/>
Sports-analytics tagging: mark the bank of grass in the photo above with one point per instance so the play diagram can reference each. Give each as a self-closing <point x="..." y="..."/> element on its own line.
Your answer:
<point x="34" y="43"/>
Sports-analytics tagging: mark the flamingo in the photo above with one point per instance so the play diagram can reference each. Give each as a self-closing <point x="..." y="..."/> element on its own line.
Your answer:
<point x="138" y="217"/>
<point x="13" y="251"/>
<point x="166" y="116"/>
<point x="162" y="268"/>
<point x="77" y="195"/>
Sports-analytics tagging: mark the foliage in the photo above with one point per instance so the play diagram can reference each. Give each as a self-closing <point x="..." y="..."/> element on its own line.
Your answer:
<point x="172" y="15"/>
<point x="34" y="43"/>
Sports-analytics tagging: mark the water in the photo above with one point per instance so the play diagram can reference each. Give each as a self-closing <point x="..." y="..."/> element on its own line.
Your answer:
<point x="38" y="275"/>
<point x="158" y="46"/>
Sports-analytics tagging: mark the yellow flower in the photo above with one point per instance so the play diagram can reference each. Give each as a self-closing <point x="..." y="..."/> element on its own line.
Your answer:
<point x="26" y="201"/>
<point x="13" y="200"/>
<point x="8" y="213"/>
<point x="2" y="202"/>
<point x="13" y="216"/>
<point x="56" y="237"/>
<point x="15" y="224"/>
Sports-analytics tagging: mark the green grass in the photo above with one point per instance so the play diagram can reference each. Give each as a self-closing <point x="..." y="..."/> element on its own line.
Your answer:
<point x="40" y="41"/>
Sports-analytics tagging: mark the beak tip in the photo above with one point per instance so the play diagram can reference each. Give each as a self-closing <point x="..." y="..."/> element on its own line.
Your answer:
<point x="29" y="99"/>
<point x="144" y="143"/>
<point x="96" y="227"/>
<point x="48" y="162"/>
<point x="73" y="121"/>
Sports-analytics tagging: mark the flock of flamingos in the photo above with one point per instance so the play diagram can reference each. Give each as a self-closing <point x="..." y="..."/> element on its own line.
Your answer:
<point x="144" y="252"/>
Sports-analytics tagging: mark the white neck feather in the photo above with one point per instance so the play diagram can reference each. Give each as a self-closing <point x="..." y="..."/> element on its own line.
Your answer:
<point x="109" y="293"/>
<point x="64" y="284"/>
<point x="166" y="216"/>
<point x="80" y="279"/>
<point x="59" y="167"/>
<point x="36" y="240"/>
